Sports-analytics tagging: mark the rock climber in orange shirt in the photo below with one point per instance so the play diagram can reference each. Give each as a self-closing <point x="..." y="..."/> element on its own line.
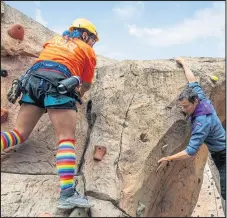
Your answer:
<point x="62" y="57"/>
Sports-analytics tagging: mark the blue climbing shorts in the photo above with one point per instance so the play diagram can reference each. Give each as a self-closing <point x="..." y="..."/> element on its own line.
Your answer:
<point x="40" y="89"/>
<point x="50" y="101"/>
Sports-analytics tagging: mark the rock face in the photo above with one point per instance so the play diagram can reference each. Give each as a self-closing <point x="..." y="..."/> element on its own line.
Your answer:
<point x="131" y="109"/>
<point x="35" y="34"/>
<point x="136" y="115"/>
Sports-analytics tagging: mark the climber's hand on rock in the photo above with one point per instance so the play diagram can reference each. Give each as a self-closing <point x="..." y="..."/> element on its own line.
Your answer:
<point x="85" y="97"/>
<point x="163" y="163"/>
<point x="180" y="61"/>
<point x="77" y="89"/>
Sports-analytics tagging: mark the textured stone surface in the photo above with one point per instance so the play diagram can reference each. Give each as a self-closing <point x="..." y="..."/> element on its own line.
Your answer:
<point x="29" y="195"/>
<point x="104" y="209"/>
<point x="209" y="202"/>
<point x="136" y="115"/>
<point x="2" y="7"/>
<point x="131" y="109"/>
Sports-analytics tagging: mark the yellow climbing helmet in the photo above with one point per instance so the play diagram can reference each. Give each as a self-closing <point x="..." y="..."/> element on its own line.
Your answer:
<point x="84" y="24"/>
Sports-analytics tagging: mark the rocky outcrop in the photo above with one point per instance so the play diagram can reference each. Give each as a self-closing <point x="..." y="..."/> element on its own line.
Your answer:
<point x="136" y="115"/>
<point x="131" y="109"/>
<point x="35" y="34"/>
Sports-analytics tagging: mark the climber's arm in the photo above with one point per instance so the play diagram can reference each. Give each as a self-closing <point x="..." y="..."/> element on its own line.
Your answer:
<point x="200" y="130"/>
<point x="188" y="73"/>
<point x="84" y="88"/>
<point x="89" y="71"/>
<point x="193" y="83"/>
<point x="178" y="156"/>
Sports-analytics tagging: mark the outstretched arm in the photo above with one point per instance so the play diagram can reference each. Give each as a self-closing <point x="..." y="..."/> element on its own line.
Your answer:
<point x="178" y="156"/>
<point x="188" y="73"/>
<point x="198" y="135"/>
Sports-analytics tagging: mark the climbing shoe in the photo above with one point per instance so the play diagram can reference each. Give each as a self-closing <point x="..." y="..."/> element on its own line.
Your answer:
<point x="70" y="198"/>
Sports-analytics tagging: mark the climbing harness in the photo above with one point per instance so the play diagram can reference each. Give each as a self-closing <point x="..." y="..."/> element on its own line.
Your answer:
<point x="66" y="85"/>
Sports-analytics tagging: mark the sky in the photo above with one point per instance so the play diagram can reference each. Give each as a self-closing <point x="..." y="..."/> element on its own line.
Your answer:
<point x="140" y="30"/>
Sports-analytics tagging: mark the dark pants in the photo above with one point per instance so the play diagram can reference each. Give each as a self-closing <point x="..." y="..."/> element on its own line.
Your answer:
<point x="219" y="159"/>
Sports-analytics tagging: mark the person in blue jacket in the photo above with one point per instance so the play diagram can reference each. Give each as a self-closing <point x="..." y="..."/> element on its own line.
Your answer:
<point x="206" y="127"/>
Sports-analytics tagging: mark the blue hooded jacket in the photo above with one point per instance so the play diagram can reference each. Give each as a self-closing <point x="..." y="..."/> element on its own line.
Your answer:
<point x="206" y="127"/>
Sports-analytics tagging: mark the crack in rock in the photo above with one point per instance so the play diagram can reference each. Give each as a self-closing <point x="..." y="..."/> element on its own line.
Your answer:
<point x="91" y="118"/>
<point x="32" y="174"/>
<point x="103" y="197"/>
<point x="123" y="128"/>
<point x="120" y="145"/>
<point x="100" y="196"/>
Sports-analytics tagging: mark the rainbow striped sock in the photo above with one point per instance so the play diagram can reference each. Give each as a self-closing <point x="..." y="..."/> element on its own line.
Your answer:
<point x="9" y="139"/>
<point x="66" y="163"/>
